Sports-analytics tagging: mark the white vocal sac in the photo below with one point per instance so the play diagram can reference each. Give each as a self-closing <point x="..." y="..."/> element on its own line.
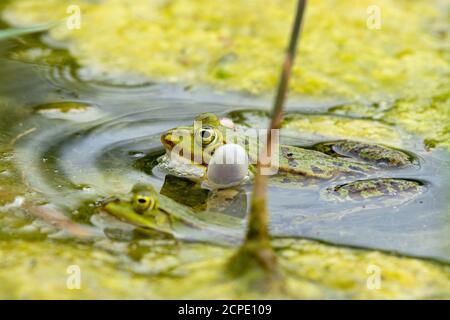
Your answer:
<point x="228" y="167"/>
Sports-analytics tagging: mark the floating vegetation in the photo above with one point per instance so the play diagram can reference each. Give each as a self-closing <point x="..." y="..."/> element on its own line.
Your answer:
<point x="404" y="65"/>
<point x="168" y="271"/>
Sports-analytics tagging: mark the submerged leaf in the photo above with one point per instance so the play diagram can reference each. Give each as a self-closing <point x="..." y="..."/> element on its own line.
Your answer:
<point x="16" y="32"/>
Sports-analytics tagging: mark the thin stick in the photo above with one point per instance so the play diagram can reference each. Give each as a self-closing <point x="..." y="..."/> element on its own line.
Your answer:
<point x="259" y="217"/>
<point x="283" y="85"/>
<point x="257" y="248"/>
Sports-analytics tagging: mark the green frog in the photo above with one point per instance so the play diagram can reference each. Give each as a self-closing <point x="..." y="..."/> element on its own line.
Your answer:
<point x="147" y="209"/>
<point x="354" y="168"/>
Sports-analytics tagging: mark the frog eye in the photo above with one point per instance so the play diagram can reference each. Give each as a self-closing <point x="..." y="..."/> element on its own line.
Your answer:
<point x="207" y="135"/>
<point x="143" y="203"/>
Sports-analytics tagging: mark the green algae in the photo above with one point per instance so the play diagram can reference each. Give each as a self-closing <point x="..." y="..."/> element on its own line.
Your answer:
<point x="40" y="270"/>
<point x="156" y="46"/>
<point x="344" y="128"/>
<point x="403" y="66"/>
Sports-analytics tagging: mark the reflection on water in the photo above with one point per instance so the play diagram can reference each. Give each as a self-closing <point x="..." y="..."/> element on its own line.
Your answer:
<point x="79" y="142"/>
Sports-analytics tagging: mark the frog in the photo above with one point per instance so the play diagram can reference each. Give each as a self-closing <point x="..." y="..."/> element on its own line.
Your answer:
<point x="147" y="209"/>
<point x="353" y="167"/>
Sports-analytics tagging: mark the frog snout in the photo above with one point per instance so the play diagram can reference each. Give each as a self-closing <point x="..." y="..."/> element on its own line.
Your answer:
<point x="169" y="139"/>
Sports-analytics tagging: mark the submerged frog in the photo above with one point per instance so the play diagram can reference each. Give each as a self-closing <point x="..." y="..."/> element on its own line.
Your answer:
<point x="141" y="209"/>
<point x="355" y="168"/>
<point x="145" y="208"/>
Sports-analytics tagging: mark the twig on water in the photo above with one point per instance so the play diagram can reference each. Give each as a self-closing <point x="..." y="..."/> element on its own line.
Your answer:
<point x="256" y="251"/>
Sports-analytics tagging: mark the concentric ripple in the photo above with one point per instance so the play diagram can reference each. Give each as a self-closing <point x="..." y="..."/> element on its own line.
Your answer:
<point x="73" y="162"/>
<point x="85" y="140"/>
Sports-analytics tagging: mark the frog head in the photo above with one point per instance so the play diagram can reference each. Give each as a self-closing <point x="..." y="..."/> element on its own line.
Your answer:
<point x="195" y="143"/>
<point x="143" y="201"/>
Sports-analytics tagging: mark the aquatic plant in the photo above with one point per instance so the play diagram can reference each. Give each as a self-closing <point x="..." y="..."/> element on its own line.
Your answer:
<point x="256" y="253"/>
<point x="16" y="32"/>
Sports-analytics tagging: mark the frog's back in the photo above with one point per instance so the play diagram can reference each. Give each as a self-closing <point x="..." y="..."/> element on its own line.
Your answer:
<point x="379" y="191"/>
<point x="375" y="154"/>
<point x="314" y="164"/>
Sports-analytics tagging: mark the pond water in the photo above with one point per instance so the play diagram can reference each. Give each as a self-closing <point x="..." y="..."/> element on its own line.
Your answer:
<point x="73" y="142"/>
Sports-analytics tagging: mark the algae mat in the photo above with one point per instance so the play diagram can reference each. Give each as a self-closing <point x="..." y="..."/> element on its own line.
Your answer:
<point x="399" y="72"/>
<point x="43" y="271"/>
